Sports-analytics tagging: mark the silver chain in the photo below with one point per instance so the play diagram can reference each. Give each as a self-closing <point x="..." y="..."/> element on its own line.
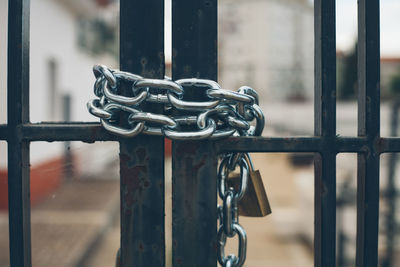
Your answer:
<point x="225" y="113"/>
<point x="228" y="212"/>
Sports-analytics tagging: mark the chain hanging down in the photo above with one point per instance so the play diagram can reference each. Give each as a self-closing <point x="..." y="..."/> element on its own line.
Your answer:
<point x="225" y="113"/>
<point x="228" y="212"/>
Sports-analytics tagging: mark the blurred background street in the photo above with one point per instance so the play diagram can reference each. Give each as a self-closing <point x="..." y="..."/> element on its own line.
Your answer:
<point x="78" y="225"/>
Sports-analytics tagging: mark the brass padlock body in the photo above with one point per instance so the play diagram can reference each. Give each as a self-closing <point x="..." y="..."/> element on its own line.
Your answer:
<point x="255" y="201"/>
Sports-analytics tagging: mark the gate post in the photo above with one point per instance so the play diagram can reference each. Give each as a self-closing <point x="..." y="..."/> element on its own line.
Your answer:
<point x="194" y="163"/>
<point x="368" y="69"/>
<point x="18" y="149"/>
<point x="325" y="127"/>
<point x="142" y="158"/>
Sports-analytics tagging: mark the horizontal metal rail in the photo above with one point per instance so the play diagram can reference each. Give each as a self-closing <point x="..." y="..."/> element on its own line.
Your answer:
<point x="90" y="132"/>
<point x="80" y="131"/>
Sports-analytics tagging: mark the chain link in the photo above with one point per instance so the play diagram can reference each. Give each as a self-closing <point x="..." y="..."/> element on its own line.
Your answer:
<point x="224" y="113"/>
<point x="228" y="212"/>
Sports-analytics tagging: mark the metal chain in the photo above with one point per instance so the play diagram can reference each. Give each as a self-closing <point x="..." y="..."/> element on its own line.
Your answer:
<point x="225" y="113"/>
<point x="228" y="212"/>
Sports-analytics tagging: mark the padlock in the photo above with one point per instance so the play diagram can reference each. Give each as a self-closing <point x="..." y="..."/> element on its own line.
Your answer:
<point x="255" y="201"/>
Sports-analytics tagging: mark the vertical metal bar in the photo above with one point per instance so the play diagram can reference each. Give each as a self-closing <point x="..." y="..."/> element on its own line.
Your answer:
<point x="325" y="126"/>
<point x="18" y="150"/>
<point x="68" y="170"/>
<point x="369" y="126"/>
<point x="391" y="195"/>
<point x="142" y="158"/>
<point x="52" y="72"/>
<point x="194" y="163"/>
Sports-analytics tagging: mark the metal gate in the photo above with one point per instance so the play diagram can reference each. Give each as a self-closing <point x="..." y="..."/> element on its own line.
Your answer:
<point x="194" y="31"/>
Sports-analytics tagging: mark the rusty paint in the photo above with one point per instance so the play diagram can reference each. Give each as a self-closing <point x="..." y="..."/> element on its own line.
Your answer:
<point x="141" y="154"/>
<point x="379" y="145"/>
<point x="187" y="148"/>
<point x="141" y="246"/>
<point x="202" y="162"/>
<point x="133" y="180"/>
<point x="93" y="134"/>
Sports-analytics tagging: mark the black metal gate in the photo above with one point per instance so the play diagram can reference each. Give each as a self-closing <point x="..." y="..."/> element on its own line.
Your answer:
<point x="194" y="30"/>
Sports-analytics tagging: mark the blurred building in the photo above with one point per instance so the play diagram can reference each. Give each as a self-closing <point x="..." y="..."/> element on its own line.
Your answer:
<point x="268" y="45"/>
<point x="390" y="67"/>
<point x="66" y="38"/>
<point x="346" y="63"/>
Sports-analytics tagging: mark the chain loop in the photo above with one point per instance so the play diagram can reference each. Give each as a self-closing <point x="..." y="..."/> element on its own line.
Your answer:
<point x="220" y="110"/>
<point x="94" y="108"/>
<point x="223" y="177"/>
<point x="124" y="100"/>
<point x="225" y="113"/>
<point x="130" y="132"/>
<point x="190" y="105"/>
<point x="198" y="135"/>
<point x="230" y="96"/>
<point x="168" y="85"/>
<point x="104" y="72"/>
<point x="228" y="213"/>
<point x="236" y="261"/>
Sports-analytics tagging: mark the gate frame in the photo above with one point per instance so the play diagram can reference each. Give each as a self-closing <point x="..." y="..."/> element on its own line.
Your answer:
<point x="147" y="58"/>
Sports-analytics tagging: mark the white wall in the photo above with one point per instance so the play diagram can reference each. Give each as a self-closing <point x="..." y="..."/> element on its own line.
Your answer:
<point x="53" y="36"/>
<point x="260" y="43"/>
<point x="3" y="76"/>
